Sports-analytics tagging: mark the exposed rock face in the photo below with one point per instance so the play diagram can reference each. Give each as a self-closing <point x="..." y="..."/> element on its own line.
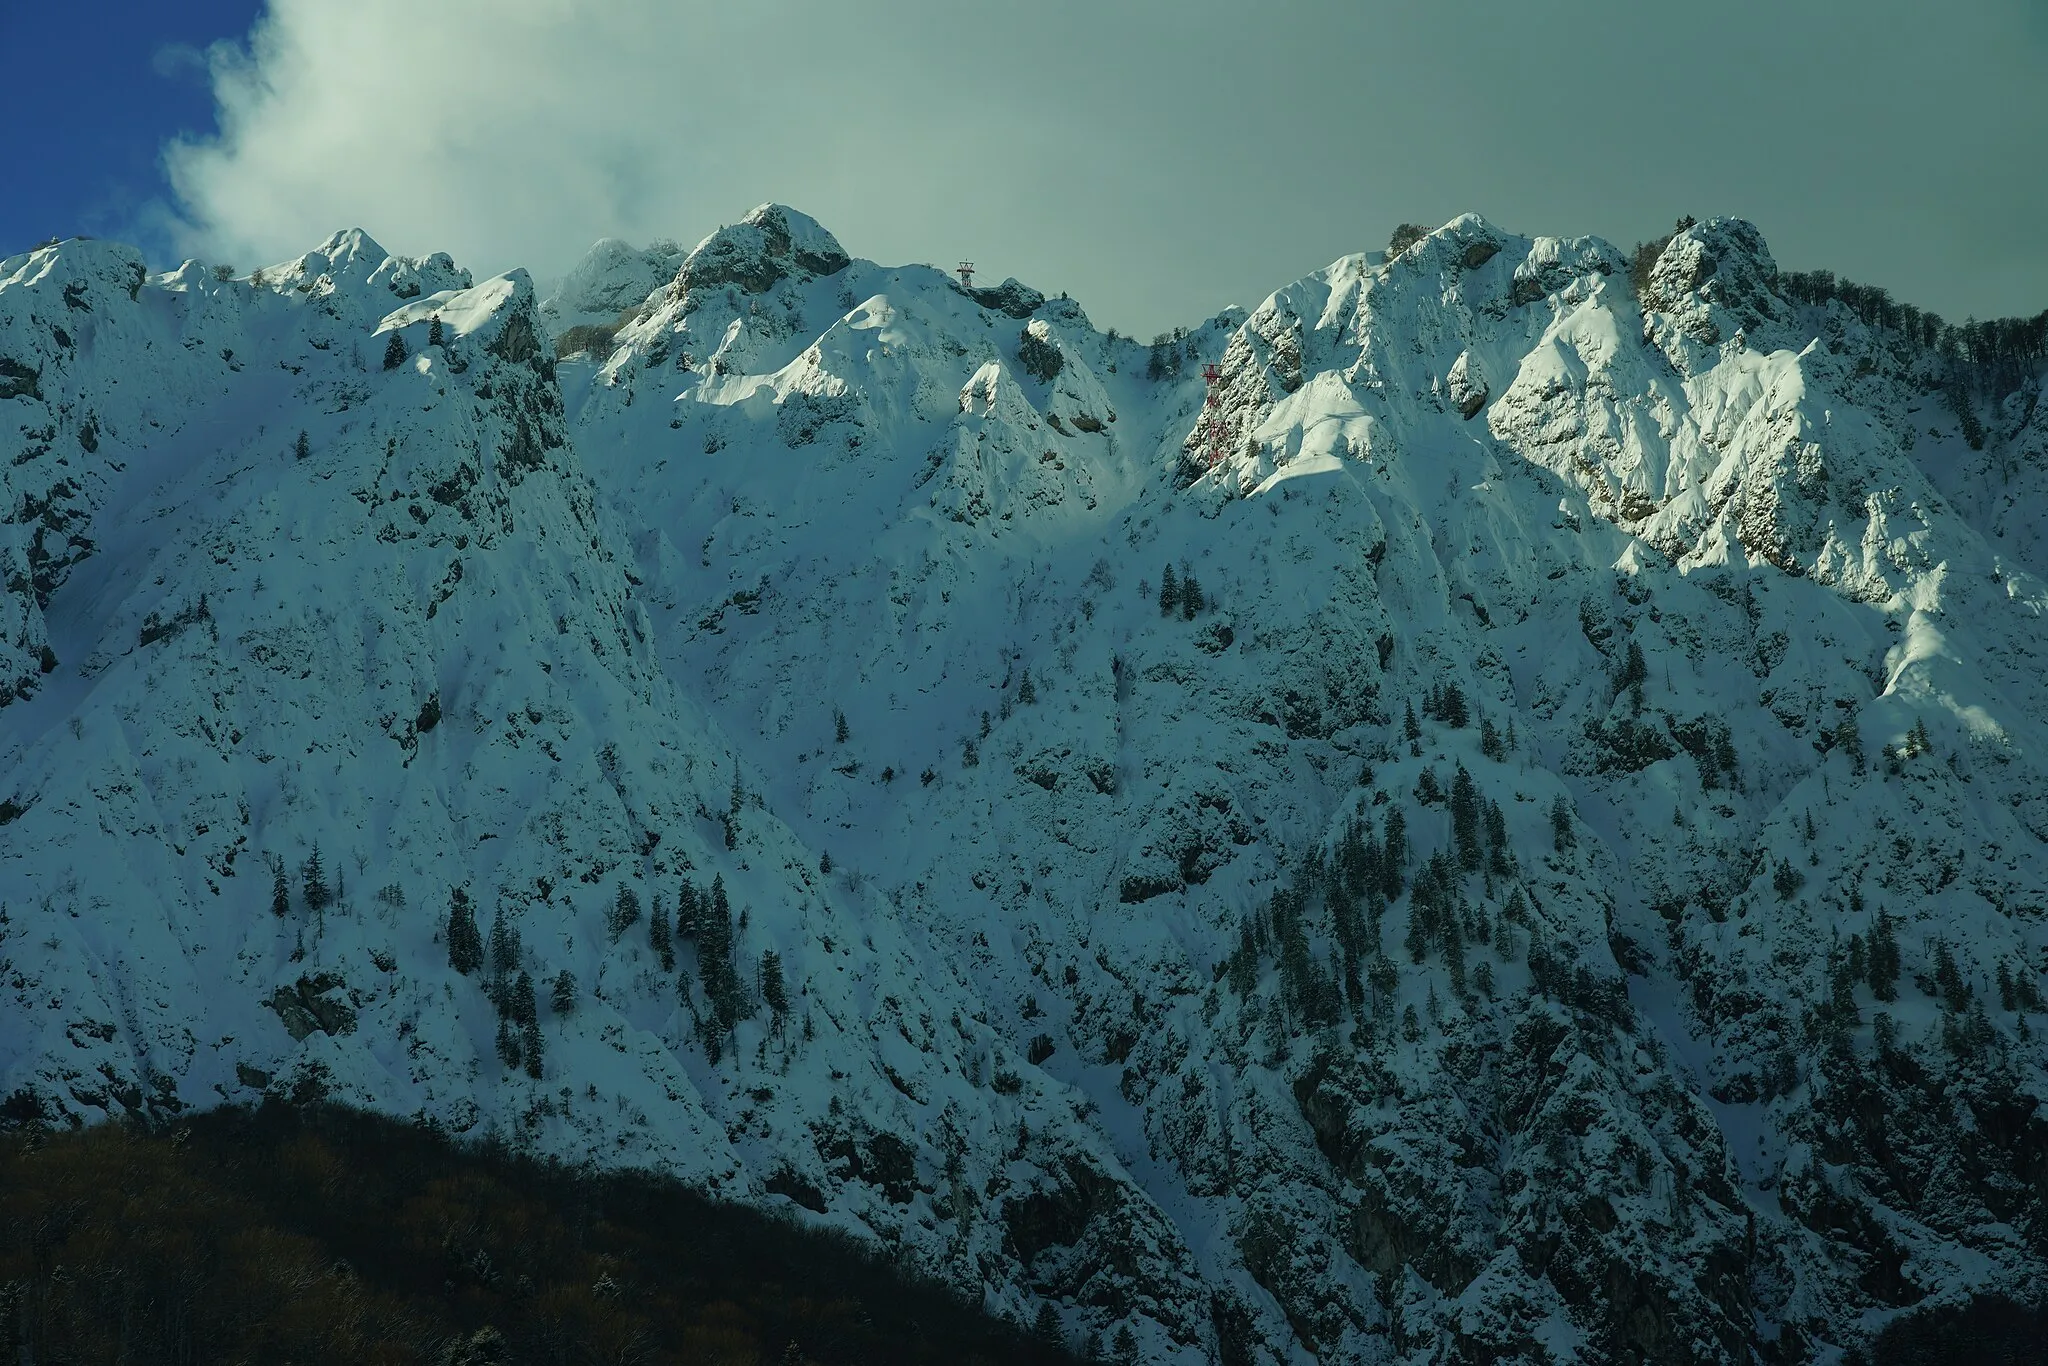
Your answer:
<point x="1534" y="857"/>
<point x="768" y="246"/>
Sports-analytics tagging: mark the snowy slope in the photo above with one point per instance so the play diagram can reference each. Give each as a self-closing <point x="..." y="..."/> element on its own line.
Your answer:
<point x="842" y="583"/>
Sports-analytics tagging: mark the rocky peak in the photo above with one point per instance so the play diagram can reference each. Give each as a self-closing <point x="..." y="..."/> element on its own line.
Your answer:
<point x="1716" y="279"/>
<point x="769" y="245"/>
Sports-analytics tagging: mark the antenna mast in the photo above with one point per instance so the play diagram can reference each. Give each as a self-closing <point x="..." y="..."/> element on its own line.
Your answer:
<point x="965" y="270"/>
<point x="1213" y="434"/>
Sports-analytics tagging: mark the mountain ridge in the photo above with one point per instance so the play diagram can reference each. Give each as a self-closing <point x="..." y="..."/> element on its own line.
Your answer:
<point x="842" y="584"/>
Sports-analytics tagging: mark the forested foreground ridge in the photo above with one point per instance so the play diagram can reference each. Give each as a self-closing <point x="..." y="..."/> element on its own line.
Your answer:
<point x="1491" y="807"/>
<point x="284" y="1234"/>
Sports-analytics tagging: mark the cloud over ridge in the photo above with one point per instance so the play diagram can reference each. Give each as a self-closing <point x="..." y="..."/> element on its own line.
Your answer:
<point x="1158" y="158"/>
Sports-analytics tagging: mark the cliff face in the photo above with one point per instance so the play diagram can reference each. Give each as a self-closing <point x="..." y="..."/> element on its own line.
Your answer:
<point x="1533" y="856"/>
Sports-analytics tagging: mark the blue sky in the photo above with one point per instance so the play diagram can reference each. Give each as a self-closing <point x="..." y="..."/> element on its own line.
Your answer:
<point x="93" y="91"/>
<point x="1156" y="158"/>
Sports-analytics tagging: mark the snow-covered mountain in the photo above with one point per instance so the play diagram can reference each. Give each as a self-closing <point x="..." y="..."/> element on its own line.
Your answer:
<point x="1536" y="855"/>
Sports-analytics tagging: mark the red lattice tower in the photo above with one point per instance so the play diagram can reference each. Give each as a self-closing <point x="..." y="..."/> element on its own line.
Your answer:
<point x="965" y="270"/>
<point x="1213" y="434"/>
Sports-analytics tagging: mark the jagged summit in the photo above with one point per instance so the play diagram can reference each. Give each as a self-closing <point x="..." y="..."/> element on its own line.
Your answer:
<point x="1538" y="845"/>
<point x="767" y="246"/>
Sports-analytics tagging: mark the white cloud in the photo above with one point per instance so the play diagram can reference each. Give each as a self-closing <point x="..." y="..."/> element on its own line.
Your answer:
<point x="1158" y="158"/>
<point x="515" y="133"/>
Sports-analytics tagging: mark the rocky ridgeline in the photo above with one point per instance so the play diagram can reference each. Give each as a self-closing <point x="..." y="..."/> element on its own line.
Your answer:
<point x="1534" y="856"/>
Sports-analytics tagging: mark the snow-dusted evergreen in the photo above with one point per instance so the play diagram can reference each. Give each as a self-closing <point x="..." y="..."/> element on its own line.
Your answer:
<point x="1537" y="856"/>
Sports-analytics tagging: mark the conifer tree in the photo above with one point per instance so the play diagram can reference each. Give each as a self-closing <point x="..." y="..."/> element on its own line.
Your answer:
<point x="773" y="991"/>
<point x="658" y="937"/>
<point x="714" y="955"/>
<point x="1884" y="958"/>
<point x="1394" y="854"/>
<point x="508" y="1043"/>
<point x="280" y="891"/>
<point x="434" y="335"/>
<point x="524" y="1008"/>
<point x="1191" y="602"/>
<point x="1561" y="836"/>
<point x="1027" y="691"/>
<point x="504" y="956"/>
<point x="1635" y="670"/>
<point x="1451" y="709"/>
<point x="302" y="447"/>
<point x="1849" y="740"/>
<point x="394" y="350"/>
<point x="465" y="945"/>
<point x="1502" y="860"/>
<point x="525" y="1012"/>
<point x="562" y="996"/>
<point x="840" y="733"/>
<point x="1410" y="727"/>
<point x="313" y="875"/>
<point x="1169" y="592"/>
<point x="687" y="902"/>
<point x="625" y="912"/>
<point x="1465" y="819"/>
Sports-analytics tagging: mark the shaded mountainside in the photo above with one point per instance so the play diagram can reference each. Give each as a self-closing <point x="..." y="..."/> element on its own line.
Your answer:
<point x="1535" y="855"/>
<point x="324" y="1235"/>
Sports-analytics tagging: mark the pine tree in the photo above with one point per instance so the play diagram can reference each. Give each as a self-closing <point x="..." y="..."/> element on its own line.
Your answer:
<point x="688" y="899"/>
<point x="1027" y="691"/>
<point x="1884" y="958"/>
<point x="1169" y="592"/>
<point x="714" y="955"/>
<point x="526" y="1013"/>
<point x="1421" y="914"/>
<point x="434" y="335"/>
<point x="1046" y="1328"/>
<point x="1501" y="862"/>
<point x="1191" y="602"/>
<point x="524" y="1008"/>
<point x="280" y="891"/>
<point x="504" y="956"/>
<point x="1561" y="836"/>
<point x="773" y="990"/>
<point x="1451" y="709"/>
<point x="840" y="733"/>
<point x="1948" y="976"/>
<point x="625" y="912"/>
<point x="394" y="350"/>
<point x="1394" y="854"/>
<point x="1410" y="727"/>
<point x="1465" y="819"/>
<point x="1849" y="740"/>
<point x="313" y="874"/>
<point x="465" y="945"/>
<point x="562" y="996"/>
<point x="302" y="447"/>
<point x="658" y="937"/>
<point x="508" y="1043"/>
<point x="1411" y="1025"/>
<point x="1635" y="671"/>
